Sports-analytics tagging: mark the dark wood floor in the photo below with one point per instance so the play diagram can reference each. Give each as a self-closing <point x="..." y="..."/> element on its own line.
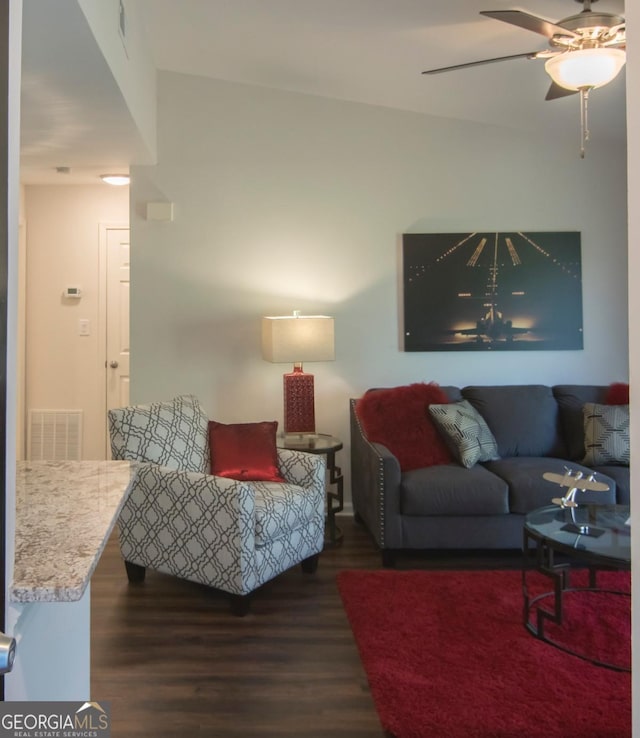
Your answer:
<point x="174" y="662"/>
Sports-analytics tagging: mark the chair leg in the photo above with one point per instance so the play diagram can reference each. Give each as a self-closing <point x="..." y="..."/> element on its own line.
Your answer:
<point x="135" y="572"/>
<point x="310" y="565"/>
<point x="240" y="604"/>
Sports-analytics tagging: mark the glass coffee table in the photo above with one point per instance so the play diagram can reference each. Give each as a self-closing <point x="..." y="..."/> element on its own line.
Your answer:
<point x="557" y="542"/>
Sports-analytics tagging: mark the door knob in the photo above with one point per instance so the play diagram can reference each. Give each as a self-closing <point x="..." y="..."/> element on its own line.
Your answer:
<point x="113" y="364"/>
<point x="7" y="653"/>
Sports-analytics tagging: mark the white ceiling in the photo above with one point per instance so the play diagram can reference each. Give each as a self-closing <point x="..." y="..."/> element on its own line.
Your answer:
<point x="369" y="51"/>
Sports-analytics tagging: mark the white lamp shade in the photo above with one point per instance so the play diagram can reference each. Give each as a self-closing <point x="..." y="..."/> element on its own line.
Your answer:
<point x="296" y="339"/>
<point x="585" y="68"/>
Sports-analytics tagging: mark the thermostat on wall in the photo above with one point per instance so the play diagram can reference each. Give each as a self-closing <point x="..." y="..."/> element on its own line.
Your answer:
<point x="73" y="292"/>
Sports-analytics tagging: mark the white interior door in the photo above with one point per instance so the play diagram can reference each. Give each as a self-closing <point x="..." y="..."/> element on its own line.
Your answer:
<point x="117" y="314"/>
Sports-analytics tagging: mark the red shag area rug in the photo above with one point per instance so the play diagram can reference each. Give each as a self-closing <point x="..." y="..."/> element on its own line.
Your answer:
<point x="447" y="656"/>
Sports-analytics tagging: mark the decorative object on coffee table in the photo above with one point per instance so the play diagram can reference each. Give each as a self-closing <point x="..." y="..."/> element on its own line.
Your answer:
<point x="294" y="339"/>
<point x="574" y="481"/>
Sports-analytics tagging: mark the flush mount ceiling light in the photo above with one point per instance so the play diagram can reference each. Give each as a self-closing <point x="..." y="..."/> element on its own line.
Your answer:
<point x="116" y="179"/>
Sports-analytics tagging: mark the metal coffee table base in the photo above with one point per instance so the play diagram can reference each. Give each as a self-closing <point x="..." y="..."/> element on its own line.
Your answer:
<point x="541" y="558"/>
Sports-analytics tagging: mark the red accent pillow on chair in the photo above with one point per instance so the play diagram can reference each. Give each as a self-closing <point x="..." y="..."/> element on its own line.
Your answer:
<point x="399" y="419"/>
<point x="245" y="451"/>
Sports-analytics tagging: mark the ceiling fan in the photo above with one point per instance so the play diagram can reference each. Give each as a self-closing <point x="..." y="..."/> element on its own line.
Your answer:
<point x="585" y="51"/>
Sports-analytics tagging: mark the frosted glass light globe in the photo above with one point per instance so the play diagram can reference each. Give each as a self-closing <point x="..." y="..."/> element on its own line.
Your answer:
<point x="585" y="68"/>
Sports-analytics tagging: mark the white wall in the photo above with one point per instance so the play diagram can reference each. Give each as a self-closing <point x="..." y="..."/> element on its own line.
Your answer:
<point x="633" y="125"/>
<point x="65" y="371"/>
<point x="129" y="61"/>
<point x="285" y="201"/>
<point x="21" y="313"/>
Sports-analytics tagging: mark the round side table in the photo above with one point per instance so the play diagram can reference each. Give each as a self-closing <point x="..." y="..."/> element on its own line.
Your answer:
<point x="322" y="443"/>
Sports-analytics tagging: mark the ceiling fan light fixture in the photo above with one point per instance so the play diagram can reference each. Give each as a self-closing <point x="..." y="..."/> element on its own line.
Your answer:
<point x="585" y="68"/>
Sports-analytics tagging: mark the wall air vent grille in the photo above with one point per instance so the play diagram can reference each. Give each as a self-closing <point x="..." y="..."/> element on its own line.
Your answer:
<point x="54" y="435"/>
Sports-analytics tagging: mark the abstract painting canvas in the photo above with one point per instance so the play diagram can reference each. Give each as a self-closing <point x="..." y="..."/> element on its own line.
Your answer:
<point x="492" y="291"/>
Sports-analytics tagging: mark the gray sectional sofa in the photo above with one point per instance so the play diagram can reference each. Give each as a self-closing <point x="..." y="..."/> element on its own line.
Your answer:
<point x="537" y="429"/>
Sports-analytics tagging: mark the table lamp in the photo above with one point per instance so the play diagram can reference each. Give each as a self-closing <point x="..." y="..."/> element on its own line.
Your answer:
<point x="295" y="339"/>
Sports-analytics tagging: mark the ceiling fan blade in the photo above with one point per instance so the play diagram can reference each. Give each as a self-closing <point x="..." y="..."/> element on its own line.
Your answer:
<point x="555" y="91"/>
<point x="529" y="22"/>
<point x="528" y="55"/>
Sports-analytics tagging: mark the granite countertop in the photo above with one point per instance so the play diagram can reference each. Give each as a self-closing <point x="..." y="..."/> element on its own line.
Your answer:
<point x="65" y="512"/>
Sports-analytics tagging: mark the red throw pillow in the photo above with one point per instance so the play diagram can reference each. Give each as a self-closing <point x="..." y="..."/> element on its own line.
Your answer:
<point x="617" y="394"/>
<point x="245" y="451"/>
<point x="399" y="419"/>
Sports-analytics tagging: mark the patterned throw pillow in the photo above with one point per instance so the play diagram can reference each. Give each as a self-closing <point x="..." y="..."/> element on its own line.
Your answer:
<point x="465" y="432"/>
<point x="606" y="434"/>
<point x="245" y="451"/>
<point x="172" y="433"/>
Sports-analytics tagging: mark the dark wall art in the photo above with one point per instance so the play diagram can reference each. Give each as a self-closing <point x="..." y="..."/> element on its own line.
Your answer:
<point x="492" y="291"/>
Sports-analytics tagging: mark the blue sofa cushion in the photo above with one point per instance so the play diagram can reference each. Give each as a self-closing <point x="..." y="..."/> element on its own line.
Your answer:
<point x="452" y="392"/>
<point x="450" y="489"/>
<point x="571" y="398"/>
<point x="528" y="490"/>
<point x="523" y="418"/>
<point x="620" y="475"/>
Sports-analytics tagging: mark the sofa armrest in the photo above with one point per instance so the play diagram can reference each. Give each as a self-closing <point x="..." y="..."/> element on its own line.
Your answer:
<point x="303" y="468"/>
<point x="375" y="485"/>
<point x="192" y="525"/>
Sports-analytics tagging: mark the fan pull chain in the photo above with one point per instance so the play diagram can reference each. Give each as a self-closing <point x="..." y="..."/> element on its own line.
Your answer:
<point x="584" y="119"/>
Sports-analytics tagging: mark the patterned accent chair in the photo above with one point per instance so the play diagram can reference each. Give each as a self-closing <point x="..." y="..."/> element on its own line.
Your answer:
<point x="181" y="520"/>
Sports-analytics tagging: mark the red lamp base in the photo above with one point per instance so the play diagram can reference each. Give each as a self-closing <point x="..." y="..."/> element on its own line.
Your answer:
<point x="299" y="411"/>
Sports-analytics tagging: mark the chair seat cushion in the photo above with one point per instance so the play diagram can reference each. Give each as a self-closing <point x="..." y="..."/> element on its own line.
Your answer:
<point x="281" y="508"/>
